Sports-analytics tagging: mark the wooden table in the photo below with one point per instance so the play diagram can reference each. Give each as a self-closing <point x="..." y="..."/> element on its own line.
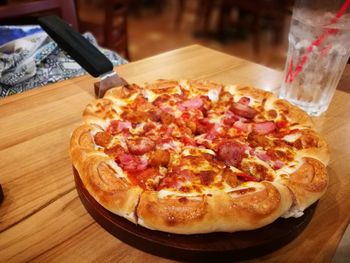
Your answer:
<point x="42" y="218"/>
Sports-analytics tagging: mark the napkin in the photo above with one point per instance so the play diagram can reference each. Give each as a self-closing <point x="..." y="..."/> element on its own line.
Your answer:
<point x="30" y="58"/>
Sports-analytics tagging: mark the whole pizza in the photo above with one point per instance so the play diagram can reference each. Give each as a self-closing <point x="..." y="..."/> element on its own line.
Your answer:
<point x="195" y="156"/>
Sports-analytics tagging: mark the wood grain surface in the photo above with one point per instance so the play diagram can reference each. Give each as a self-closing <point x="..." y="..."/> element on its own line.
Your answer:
<point x="42" y="218"/>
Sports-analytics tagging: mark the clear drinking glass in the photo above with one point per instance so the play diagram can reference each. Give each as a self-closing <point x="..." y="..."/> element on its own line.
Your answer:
<point x="319" y="48"/>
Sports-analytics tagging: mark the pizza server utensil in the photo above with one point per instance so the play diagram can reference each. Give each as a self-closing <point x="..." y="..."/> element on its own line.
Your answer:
<point x="83" y="52"/>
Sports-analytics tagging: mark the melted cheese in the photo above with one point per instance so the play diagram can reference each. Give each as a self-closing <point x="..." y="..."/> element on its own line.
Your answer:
<point x="290" y="168"/>
<point x="292" y="137"/>
<point x="119" y="171"/>
<point x="149" y="95"/>
<point x="213" y="95"/>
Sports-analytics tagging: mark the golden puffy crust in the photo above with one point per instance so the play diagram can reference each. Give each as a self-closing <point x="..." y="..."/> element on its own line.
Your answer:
<point x="293" y="113"/>
<point x="228" y="212"/>
<point x="246" y="210"/>
<point x="99" y="178"/>
<point x="204" y="85"/>
<point x="255" y="93"/>
<point x="308" y="183"/>
<point x="82" y="138"/>
<point x="313" y="146"/>
<point x="162" y="86"/>
<point x="122" y="92"/>
<point x="98" y="110"/>
<point x="81" y="144"/>
<point x="181" y="215"/>
<point x="112" y="192"/>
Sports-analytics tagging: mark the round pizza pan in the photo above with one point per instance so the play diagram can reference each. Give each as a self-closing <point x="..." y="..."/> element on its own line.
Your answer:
<point x="218" y="247"/>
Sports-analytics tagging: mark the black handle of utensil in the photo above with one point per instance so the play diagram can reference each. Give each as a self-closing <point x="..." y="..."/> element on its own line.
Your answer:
<point x="80" y="49"/>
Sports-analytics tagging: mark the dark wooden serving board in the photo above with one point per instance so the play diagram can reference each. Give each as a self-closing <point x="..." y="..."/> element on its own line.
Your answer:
<point x="216" y="247"/>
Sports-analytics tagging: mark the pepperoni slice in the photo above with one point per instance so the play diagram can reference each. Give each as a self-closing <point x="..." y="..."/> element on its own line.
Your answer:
<point x="243" y="110"/>
<point x="264" y="127"/>
<point x="231" y="152"/>
<point x="103" y="138"/>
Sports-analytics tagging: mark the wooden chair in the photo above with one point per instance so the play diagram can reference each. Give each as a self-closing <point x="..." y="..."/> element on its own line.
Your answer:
<point x="27" y="12"/>
<point x="203" y="11"/>
<point x="108" y="24"/>
<point x="276" y="10"/>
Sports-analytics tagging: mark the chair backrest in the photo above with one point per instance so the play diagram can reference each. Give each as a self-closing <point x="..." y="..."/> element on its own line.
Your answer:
<point x="108" y="23"/>
<point x="14" y="12"/>
<point x="115" y="26"/>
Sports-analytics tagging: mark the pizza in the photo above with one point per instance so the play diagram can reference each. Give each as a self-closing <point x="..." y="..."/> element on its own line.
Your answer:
<point x="194" y="156"/>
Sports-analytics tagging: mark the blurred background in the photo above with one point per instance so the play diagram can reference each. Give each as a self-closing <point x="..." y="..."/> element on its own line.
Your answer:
<point x="253" y="30"/>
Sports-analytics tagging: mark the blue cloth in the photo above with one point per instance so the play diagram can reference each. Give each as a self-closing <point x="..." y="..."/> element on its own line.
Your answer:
<point x="12" y="33"/>
<point x="30" y="58"/>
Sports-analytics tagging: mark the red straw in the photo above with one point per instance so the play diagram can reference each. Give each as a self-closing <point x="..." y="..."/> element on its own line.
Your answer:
<point x="290" y="75"/>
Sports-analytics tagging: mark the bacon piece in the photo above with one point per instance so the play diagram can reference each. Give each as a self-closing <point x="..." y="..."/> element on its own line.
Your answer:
<point x="103" y="138"/>
<point x="169" y="131"/>
<point x="113" y="127"/>
<point x="203" y="126"/>
<point x="123" y="125"/>
<point x="135" y="116"/>
<point x="213" y="132"/>
<point x="277" y="164"/>
<point x="246" y="177"/>
<point x="231" y="152"/>
<point x="176" y="178"/>
<point x="206" y="177"/>
<point x="282" y="124"/>
<point x="272" y="114"/>
<point x="256" y="140"/>
<point x="264" y="127"/>
<point x="115" y="151"/>
<point x="256" y="170"/>
<point x="161" y="100"/>
<point x="148" y="127"/>
<point x="194" y="103"/>
<point x="188" y="141"/>
<point x="142" y="177"/>
<point x="166" y="118"/>
<point x="159" y="158"/>
<point x="230" y="177"/>
<point x="243" y="110"/>
<point x="154" y="114"/>
<point x="246" y="127"/>
<point x="140" y="145"/>
<point x="141" y="104"/>
<point x="191" y="125"/>
<point x="117" y="126"/>
<point x="206" y="105"/>
<point x="263" y="156"/>
<point x="271" y="157"/>
<point x="131" y="163"/>
<point x="230" y="118"/>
